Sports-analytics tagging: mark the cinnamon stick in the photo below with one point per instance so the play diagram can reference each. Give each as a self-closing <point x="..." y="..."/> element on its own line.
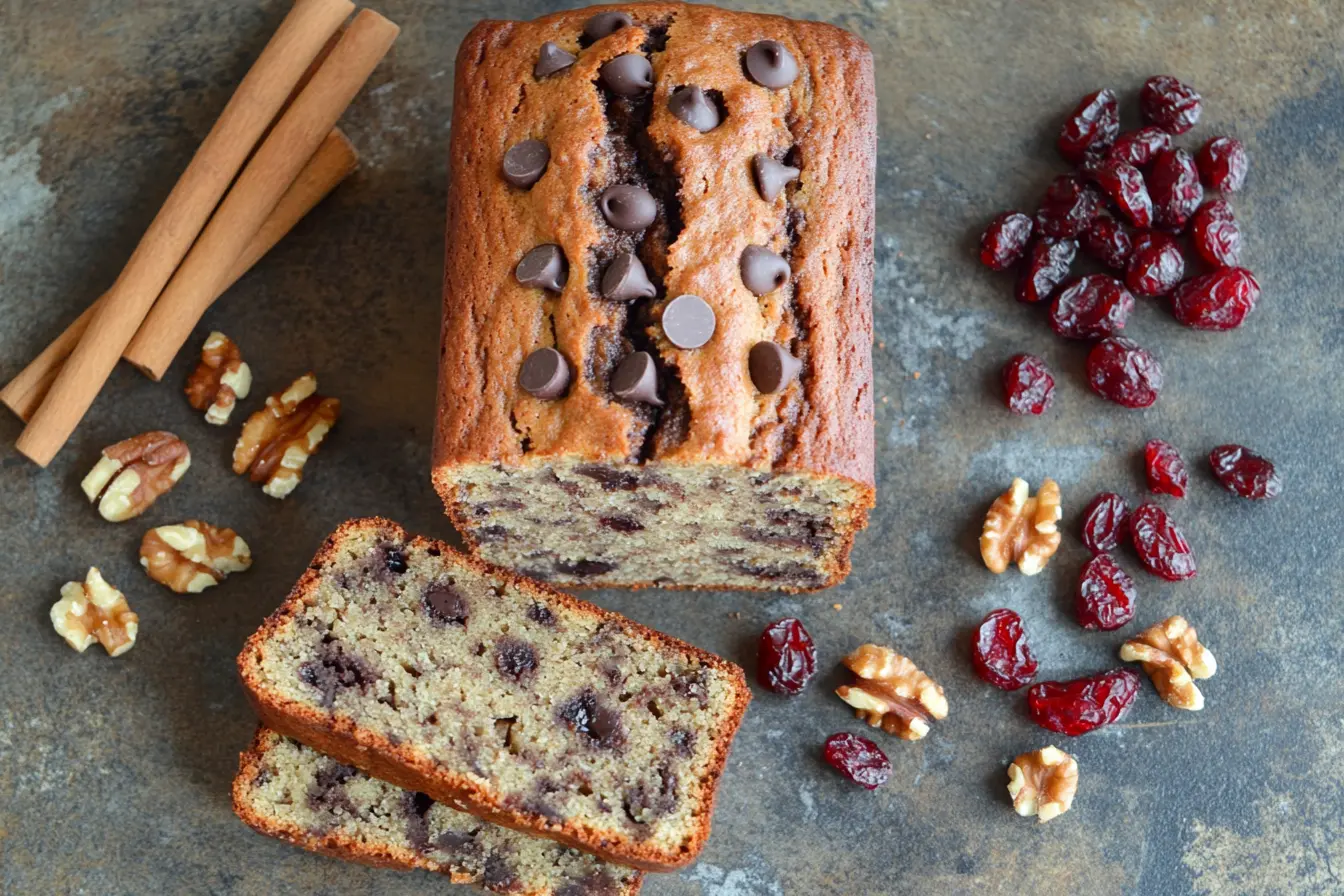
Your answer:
<point x="178" y="223"/>
<point x="332" y="163"/>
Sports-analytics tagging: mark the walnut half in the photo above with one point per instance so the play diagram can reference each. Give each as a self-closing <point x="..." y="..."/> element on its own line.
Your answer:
<point x="1172" y="656"/>
<point x="277" y="440"/>
<point x="193" y="556"/>
<point x="1022" y="529"/>
<point x="132" y="474"/>
<point x="891" y="693"/>
<point x="1042" y="783"/>
<point x="219" y="380"/>
<point x="93" y="610"/>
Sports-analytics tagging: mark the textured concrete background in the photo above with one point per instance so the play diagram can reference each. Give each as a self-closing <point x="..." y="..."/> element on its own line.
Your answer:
<point x="114" y="773"/>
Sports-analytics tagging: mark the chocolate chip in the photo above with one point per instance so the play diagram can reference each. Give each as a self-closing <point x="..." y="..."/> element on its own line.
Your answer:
<point x="771" y="65"/>
<point x="629" y="74"/>
<point x="628" y="207"/>
<point x="541" y="614"/>
<point x="327" y="792"/>
<point x="586" y="716"/>
<point x="584" y="568"/>
<point x="515" y="659"/>
<point x="604" y="23"/>
<point x="499" y="875"/>
<point x="688" y="321"/>
<point x="771" y="176"/>
<point x="690" y="105"/>
<point x="543" y="268"/>
<point x="772" y="368"/>
<point x="525" y="162"/>
<point x="636" y="379"/>
<point x="394" y="558"/>
<point x="625" y="279"/>
<point x="336" y="669"/>
<point x="611" y="479"/>
<point x="416" y="808"/>
<point x="762" y="270"/>
<point x="552" y="59"/>
<point x="621" y="524"/>
<point x="683" y="741"/>
<point x="445" y="604"/>
<point x="545" y="374"/>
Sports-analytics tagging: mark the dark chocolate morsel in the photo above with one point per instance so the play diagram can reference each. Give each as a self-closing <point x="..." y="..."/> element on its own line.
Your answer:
<point x="772" y="368"/>
<point x="688" y="321"/>
<point x="604" y="23"/>
<point x="690" y="105"/>
<point x="628" y="207"/>
<point x="525" y="162"/>
<point x="551" y="59"/>
<point x="636" y="379"/>
<point x="625" y="279"/>
<point x="629" y="74"/>
<point x="545" y="373"/>
<point x="771" y="65"/>
<point x="544" y="268"/>
<point x="771" y="176"/>
<point x="762" y="270"/>
<point x="445" y="604"/>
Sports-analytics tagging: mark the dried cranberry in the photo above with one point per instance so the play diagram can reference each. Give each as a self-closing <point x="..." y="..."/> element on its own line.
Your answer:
<point x="1170" y="105"/>
<point x="1000" y="653"/>
<point x="1138" y="148"/>
<point x="1105" y="522"/>
<point x="1092" y="126"/>
<point x="1048" y="263"/>
<point x="1083" y="704"/>
<point x="1217" y="301"/>
<point x="1173" y="185"/>
<point x="1245" y="473"/>
<point x="1162" y="548"/>
<point x="858" y="759"/>
<point x="1123" y="185"/>
<point x="787" y="658"/>
<point x="1068" y="207"/>
<point x="1005" y="240"/>
<point x="1108" y="241"/>
<point x="1120" y="371"/>
<point x="1106" y="595"/>
<point x="1216" y="235"/>
<point x="1165" y="469"/>
<point x="1091" y="307"/>
<point x="1156" y="264"/>
<point x="1028" y="387"/>
<point x="1223" y="163"/>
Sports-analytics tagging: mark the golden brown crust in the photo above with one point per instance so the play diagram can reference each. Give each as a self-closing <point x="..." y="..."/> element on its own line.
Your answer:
<point x="397" y="764"/>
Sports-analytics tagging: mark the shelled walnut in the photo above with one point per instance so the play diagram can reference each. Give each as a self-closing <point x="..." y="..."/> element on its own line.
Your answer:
<point x="193" y="556"/>
<point x="891" y="693"/>
<point x="132" y="474"/>
<point x="1172" y="656"/>
<point x="219" y="380"/>
<point x="277" y="441"/>
<point x="93" y="610"/>
<point x="1042" y="783"/>
<point x="1022" y="529"/>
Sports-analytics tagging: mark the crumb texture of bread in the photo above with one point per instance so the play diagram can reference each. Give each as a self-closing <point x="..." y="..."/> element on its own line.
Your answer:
<point x="498" y="696"/>
<point x="294" y="793"/>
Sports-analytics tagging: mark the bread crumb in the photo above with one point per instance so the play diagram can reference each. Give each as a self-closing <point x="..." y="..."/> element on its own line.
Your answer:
<point x="837" y="606"/>
<point x="915" y="374"/>
<point x="735" y="615"/>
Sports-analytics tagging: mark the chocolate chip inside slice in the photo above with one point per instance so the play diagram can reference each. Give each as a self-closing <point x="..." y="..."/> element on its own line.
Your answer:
<point x="543" y="268"/>
<point x="525" y="162"/>
<point x="636" y="379"/>
<point x="551" y="59"/>
<point x="625" y="279"/>
<point x="772" y="368"/>
<point x="771" y="65"/>
<point x="629" y="74"/>
<point x="692" y="106"/>
<point x="762" y="270"/>
<point x="771" y="176"/>
<point x="688" y="321"/>
<point x="545" y="373"/>
<point x="627" y="207"/>
<point x="604" y="23"/>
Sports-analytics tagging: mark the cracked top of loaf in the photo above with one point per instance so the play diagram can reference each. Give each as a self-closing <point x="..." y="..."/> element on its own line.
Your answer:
<point x="710" y="208"/>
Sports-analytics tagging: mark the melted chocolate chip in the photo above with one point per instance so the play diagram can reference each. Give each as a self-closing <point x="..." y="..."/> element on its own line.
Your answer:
<point x="585" y="715"/>
<point x="610" y="479"/>
<point x="649" y="800"/>
<point x="770" y="64"/>
<point x="763" y="271"/>
<point x="499" y="874"/>
<point x="541" y="614"/>
<point x="629" y="74"/>
<point x="327" y="792"/>
<point x="771" y="367"/>
<point x="771" y="176"/>
<point x="621" y="524"/>
<point x="544" y="268"/>
<point x="692" y="686"/>
<point x="691" y="106"/>
<point x="491" y="534"/>
<point x="515" y="659"/>
<point x="636" y="379"/>
<point x="596" y="883"/>
<point x="544" y="374"/>
<point x="605" y="23"/>
<point x="394" y="559"/>
<point x="416" y="807"/>
<point x="584" y="568"/>
<point x="628" y="207"/>
<point x="525" y="162"/>
<point x="688" y="322"/>
<point x="551" y="59"/>
<point x="336" y="669"/>
<point x="683" y="741"/>
<point x="625" y="279"/>
<point x="445" y="604"/>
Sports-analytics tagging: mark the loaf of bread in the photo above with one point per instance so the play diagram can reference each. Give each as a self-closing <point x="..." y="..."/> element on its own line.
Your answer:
<point x="294" y="793"/>
<point x="498" y="696"/>
<point x="656" y="352"/>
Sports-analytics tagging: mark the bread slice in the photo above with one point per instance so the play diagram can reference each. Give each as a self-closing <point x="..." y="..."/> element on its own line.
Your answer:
<point x="294" y="793"/>
<point x="498" y="696"/>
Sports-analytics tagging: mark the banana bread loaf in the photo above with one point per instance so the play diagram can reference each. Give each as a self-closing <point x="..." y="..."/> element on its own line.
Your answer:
<point x="498" y="696"/>
<point x="656" y="351"/>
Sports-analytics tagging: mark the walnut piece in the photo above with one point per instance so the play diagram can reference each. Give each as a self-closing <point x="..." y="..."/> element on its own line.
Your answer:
<point x="1042" y="783"/>
<point x="1172" y="656"/>
<point x="193" y="556"/>
<point x="891" y="693"/>
<point x="277" y="440"/>
<point x="1022" y="529"/>
<point x="219" y="380"/>
<point x="132" y="474"/>
<point x="93" y="610"/>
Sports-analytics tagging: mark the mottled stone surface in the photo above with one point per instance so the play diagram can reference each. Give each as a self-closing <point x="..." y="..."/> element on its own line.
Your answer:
<point x="114" y="773"/>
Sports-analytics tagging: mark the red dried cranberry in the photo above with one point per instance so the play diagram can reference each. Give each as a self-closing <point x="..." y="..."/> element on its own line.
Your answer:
<point x="858" y="759"/>
<point x="1223" y="163"/>
<point x="1217" y="301"/>
<point x="1245" y="473"/>
<point x="1105" y="522"/>
<point x="1156" y="265"/>
<point x="1005" y="240"/>
<point x="1173" y="185"/>
<point x="1170" y="105"/>
<point x="1000" y="653"/>
<point x="1216" y="235"/>
<point x="1162" y="548"/>
<point x="787" y="658"/>
<point x="1092" y="126"/>
<point x="1068" y="207"/>
<point x="1028" y="387"/>
<point x="1123" y="185"/>
<point x="1165" y="469"/>
<point x="1120" y="371"/>
<point x="1106" y="595"/>
<point x="1108" y="241"/>
<point x="1091" y="307"/>
<point x="1048" y="263"/>
<point x="1083" y="704"/>
<point x="1139" y="147"/>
